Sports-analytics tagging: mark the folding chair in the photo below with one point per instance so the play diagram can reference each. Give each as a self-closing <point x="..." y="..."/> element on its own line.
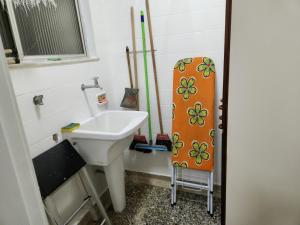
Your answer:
<point x="53" y="168"/>
<point x="193" y="123"/>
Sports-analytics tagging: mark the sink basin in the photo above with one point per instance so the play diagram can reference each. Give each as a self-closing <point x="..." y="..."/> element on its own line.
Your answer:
<point x="111" y="125"/>
<point x="102" y="140"/>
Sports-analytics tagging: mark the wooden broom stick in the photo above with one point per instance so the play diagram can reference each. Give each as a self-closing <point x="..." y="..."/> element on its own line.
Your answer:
<point x="135" y="69"/>
<point x="154" y="66"/>
<point x="129" y="67"/>
<point x="134" y="49"/>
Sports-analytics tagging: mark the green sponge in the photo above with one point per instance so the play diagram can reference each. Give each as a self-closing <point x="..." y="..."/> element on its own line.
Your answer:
<point x="70" y="128"/>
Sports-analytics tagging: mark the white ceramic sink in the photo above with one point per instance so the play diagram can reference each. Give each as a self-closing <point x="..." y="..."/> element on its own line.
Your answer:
<point x="102" y="140"/>
<point x="111" y="125"/>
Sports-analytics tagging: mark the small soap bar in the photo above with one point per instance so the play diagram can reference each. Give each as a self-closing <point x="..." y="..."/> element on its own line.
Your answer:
<point x="70" y="128"/>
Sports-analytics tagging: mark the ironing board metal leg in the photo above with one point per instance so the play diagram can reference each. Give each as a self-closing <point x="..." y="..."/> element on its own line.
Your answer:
<point x="175" y="185"/>
<point x="208" y="193"/>
<point x="211" y="192"/>
<point x="172" y="185"/>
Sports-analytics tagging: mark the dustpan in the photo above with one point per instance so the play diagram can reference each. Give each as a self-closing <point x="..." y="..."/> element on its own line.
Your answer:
<point x="130" y="99"/>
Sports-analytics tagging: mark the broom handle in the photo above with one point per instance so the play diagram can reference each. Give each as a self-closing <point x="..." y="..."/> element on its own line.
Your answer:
<point x="146" y="77"/>
<point x="134" y="49"/>
<point x="135" y="69"/>
<point x="129" y="67"/>
<point x="154" y="67"/>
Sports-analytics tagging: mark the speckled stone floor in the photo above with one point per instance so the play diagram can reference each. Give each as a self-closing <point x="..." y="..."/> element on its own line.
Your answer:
<point x="150" y="205"/>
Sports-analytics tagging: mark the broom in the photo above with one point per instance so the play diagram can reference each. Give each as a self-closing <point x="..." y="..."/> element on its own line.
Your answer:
<point x="137" y="138"/>
<point x="161" y="139"/>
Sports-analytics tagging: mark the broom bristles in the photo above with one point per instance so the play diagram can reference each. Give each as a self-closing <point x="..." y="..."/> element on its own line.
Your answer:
<point x="138" y="139"/>
<point x="163" y="139"/>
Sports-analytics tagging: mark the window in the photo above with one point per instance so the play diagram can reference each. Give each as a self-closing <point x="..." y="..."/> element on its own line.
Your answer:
<point x="7" y="37"/>
<point x="46" y="32"/>
<point x="5" y="31"/>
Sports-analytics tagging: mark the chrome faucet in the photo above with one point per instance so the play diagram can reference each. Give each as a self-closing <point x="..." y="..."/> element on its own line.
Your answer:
<point x="96" y="85"/>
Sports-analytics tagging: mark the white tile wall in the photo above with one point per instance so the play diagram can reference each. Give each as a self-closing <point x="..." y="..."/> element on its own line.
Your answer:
<point x="181" y="29"/>
<point x="64" y="102"/>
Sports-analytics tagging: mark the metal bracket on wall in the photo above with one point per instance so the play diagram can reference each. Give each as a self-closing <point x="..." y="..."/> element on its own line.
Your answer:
<point x="38" y="100"/>
<point x="140" y="51"/>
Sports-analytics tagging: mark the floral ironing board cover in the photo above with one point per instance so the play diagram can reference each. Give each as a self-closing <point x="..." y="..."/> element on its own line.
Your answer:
<point x="193" y="113"/>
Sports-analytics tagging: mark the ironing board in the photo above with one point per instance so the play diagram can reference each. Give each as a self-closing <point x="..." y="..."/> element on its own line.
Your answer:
<point x="193" y="120"/>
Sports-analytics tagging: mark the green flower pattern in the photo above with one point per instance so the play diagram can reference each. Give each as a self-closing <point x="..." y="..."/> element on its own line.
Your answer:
<point x="212" y="134"/>
<point x="207" y="67"/>
<point x="184" y="164"/>
<point x="186" y="87"/>
<point x="176" y="144"/>
<point x="197" y="114"/>
<point x="199" y="152"/>
<point x="181" y="64"/>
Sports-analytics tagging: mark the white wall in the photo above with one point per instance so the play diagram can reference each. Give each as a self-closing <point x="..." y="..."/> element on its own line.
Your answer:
<point x="20" y="200"/>
<point x="64" y="102"/>
<point x="263" y="134"/>
<point x="181" y="29"/>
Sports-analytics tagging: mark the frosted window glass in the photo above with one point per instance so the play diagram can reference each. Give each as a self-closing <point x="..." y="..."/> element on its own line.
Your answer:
<point x="50" y="31"/>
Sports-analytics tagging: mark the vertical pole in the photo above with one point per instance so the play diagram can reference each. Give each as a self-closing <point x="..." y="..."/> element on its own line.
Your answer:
<point x="208" y="193"/>
<point x="172" y="185"/>
<point x="129" y="67"/>
<point x="175" y="184"/>
<point x="211" y="192"/>
<point x="154" y="67"/>
<point x="135" y="68"/>
<point x="146" y="76"/>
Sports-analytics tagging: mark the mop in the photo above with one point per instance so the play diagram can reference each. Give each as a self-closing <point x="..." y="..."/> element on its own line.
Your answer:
<point x="147" y="147"/>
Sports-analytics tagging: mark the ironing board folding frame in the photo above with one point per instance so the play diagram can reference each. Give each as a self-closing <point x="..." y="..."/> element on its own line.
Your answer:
<point x="197" y="186"/>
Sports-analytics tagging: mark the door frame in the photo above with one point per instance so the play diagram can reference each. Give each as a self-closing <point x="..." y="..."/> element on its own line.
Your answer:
<point x="225" y="107"/>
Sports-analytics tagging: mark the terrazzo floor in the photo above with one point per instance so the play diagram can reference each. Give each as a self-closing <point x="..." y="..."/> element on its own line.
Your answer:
<point x="150" y="205"/>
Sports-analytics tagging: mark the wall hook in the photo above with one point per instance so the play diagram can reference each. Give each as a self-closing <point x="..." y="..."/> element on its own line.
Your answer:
<point x="38" y="100"/>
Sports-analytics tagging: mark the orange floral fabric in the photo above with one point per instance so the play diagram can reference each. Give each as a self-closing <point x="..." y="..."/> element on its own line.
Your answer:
<point x="193" y="113"/>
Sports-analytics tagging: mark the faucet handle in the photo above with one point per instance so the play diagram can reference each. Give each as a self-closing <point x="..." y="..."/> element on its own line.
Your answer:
<point x="97" y="83"/>
<point x="96" y="78"/>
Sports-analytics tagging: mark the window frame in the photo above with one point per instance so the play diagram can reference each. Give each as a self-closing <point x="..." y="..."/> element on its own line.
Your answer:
<point x="45" y="58"/>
